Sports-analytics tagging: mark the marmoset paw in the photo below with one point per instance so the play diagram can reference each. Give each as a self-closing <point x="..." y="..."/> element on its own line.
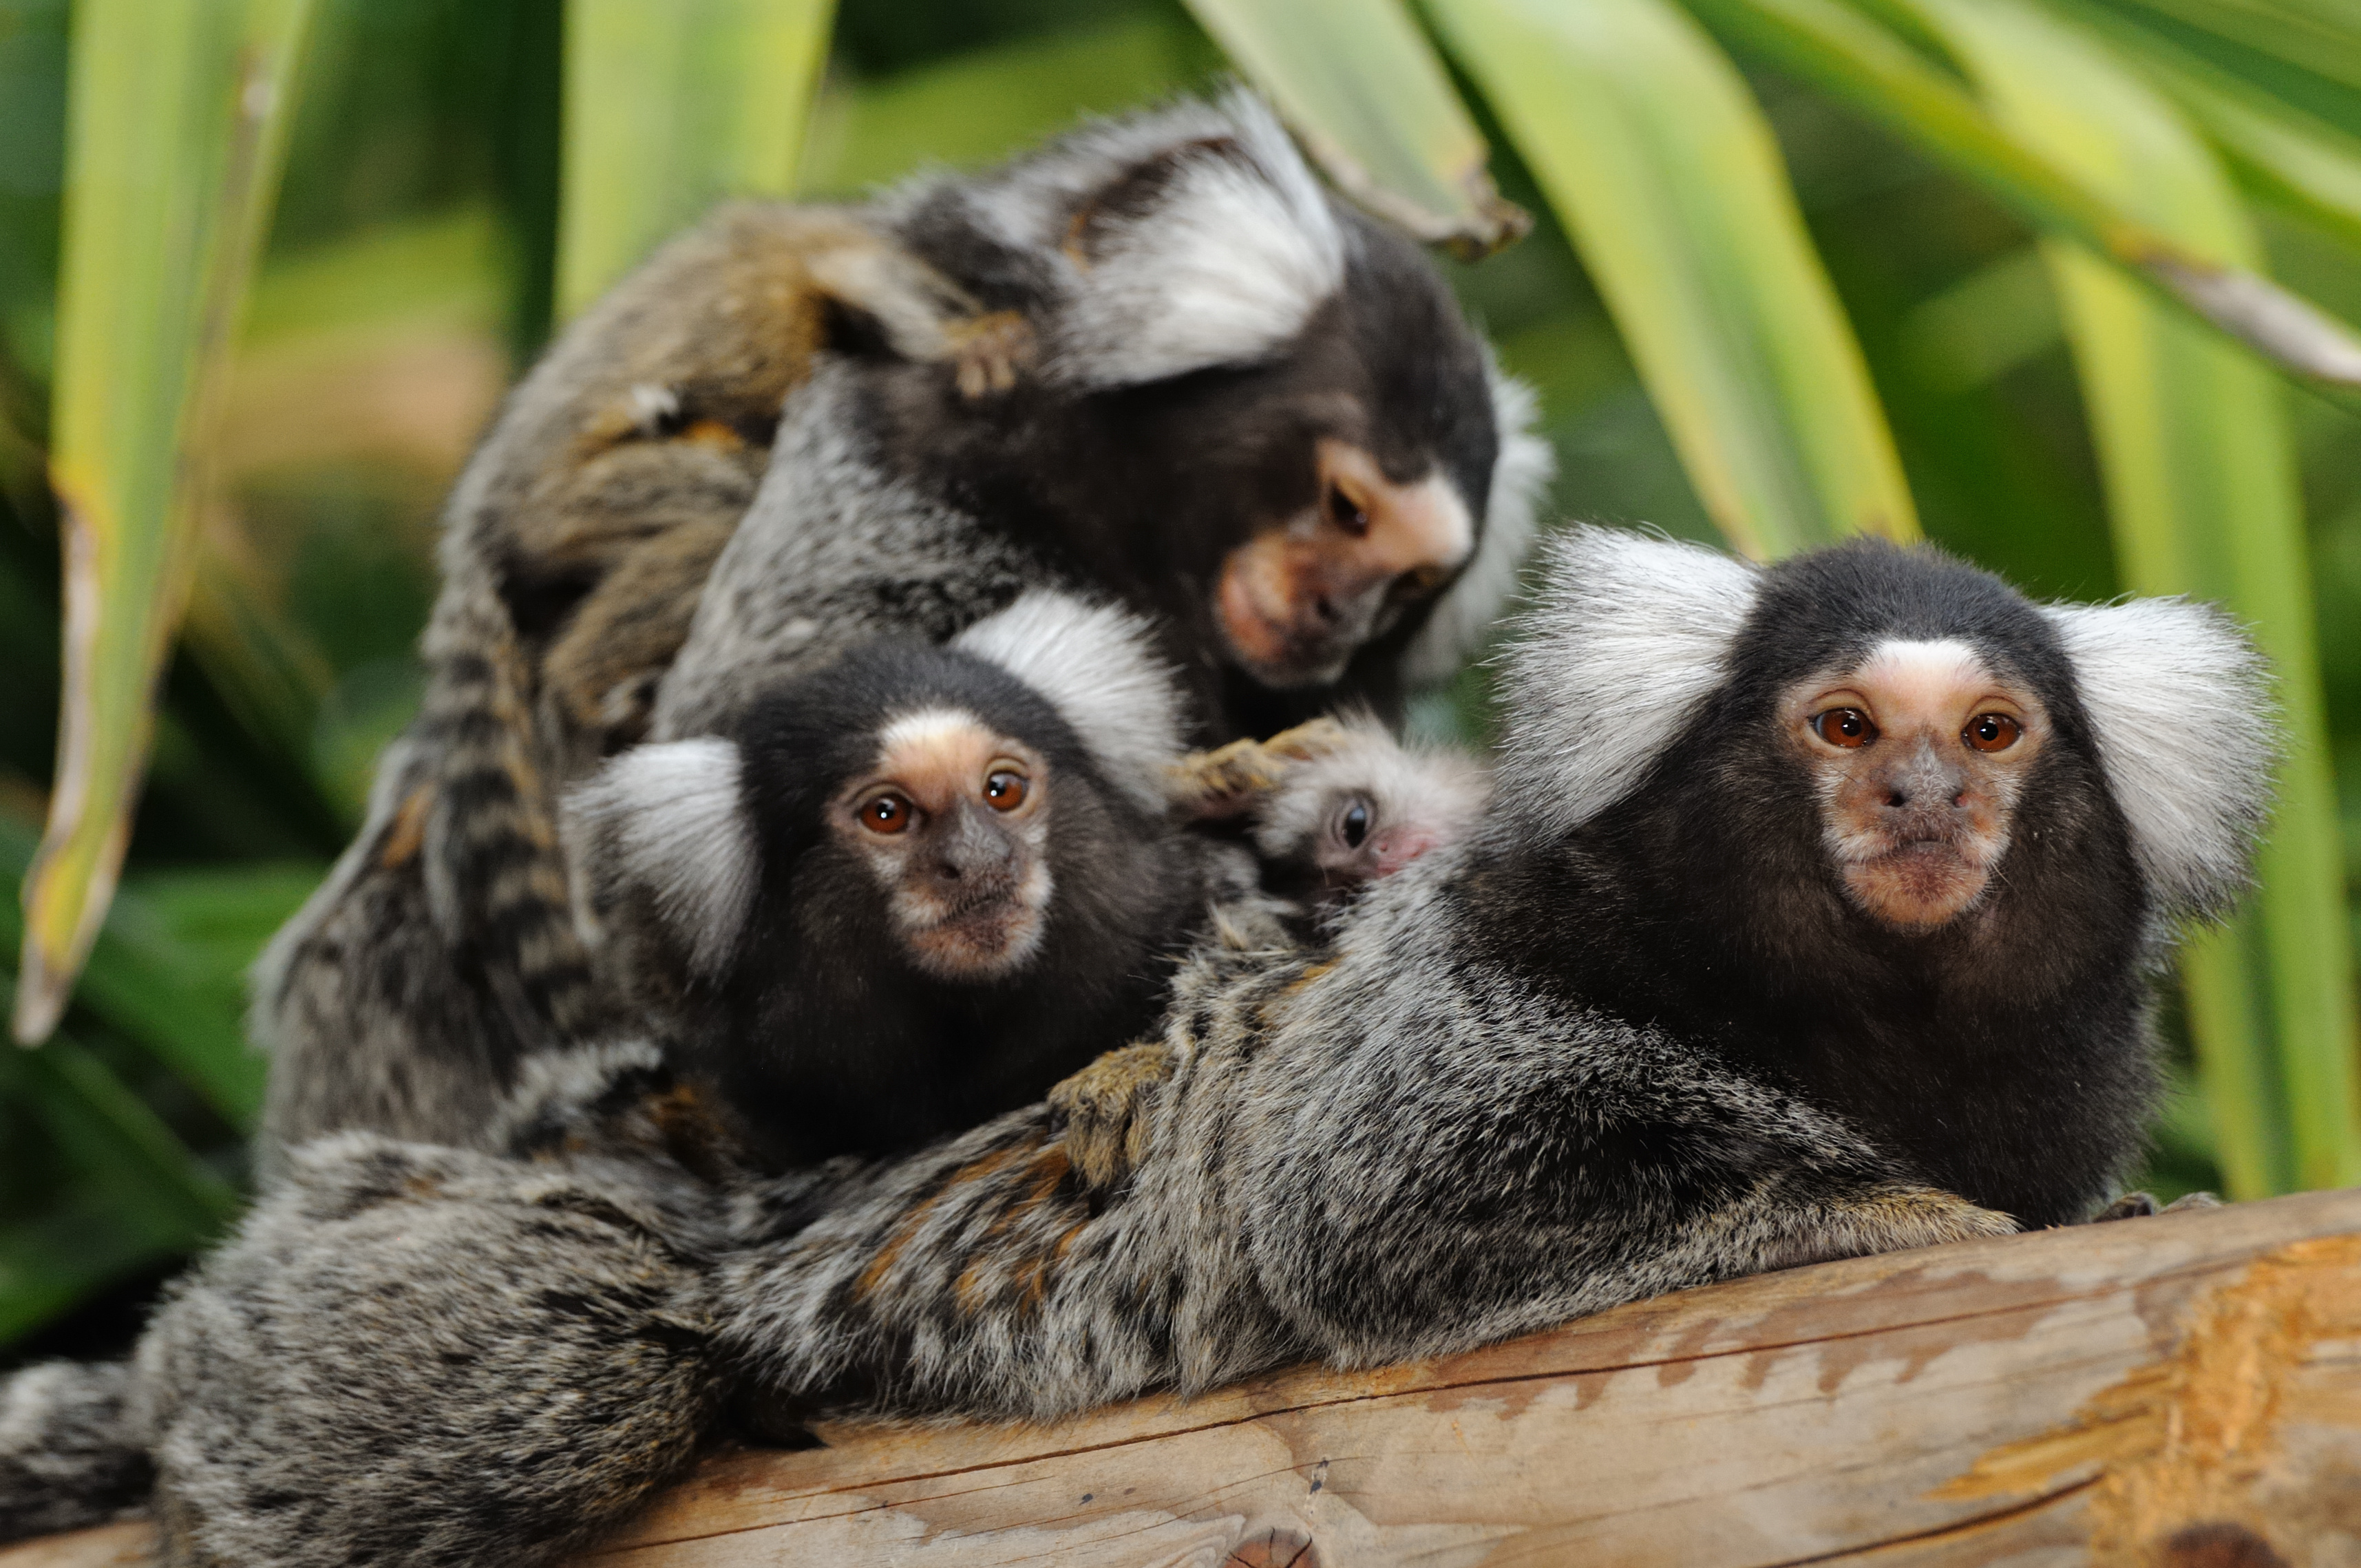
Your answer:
<point x="988" y="351"/>
<point x="1230" y="780"/>
<point x="1102" y="1111"/>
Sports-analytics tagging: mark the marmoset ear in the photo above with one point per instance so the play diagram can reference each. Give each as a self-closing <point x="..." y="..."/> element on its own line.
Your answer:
<point x="1204" y="241"/>
<point x="667" y="825"/>
<point x="2182" y="714"/>
<point x="1097" y="666"/>
<point x="1630" y="636"/>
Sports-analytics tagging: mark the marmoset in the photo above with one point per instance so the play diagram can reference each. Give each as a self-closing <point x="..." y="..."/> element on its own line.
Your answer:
<point x="1812" y="913"/>
<point x="1153" y="361"/>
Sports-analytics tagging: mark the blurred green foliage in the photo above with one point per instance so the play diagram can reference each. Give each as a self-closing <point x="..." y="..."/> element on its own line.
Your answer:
<point x="408" y="278"/>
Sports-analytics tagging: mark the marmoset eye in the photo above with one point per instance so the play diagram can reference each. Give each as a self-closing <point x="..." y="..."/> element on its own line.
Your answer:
<point x="1354" y="824"/>
<point x="1346" y="512"/>
<point x="1845" y="727"/>
<point x="1006" y="789"/>
<point x="886" y="813"/>
<point x="1991" y="731"/>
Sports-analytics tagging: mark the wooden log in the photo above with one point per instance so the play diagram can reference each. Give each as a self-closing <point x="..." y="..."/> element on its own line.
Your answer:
<point x="2182" y="1391"/>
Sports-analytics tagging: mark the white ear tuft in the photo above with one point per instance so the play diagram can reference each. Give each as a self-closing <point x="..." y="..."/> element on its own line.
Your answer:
<point x="1627" y="634"/>
<point x="1519" y="474"/>
<point x="668" y="822"/>
<point x="1237" y="249"/>
<point x="2180" y="703"/>
<point x="1096" y="665"/>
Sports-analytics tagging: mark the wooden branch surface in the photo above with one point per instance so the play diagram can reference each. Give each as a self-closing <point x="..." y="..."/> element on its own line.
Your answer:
<point x="2182" y="1391"/>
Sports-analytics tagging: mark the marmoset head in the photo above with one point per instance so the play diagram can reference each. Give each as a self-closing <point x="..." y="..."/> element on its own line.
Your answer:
<point x="1888" y="732"/>
<point x="1308" y="444"/>
<point x="906" y="807"/>
<point x="1356" y="806"/>
<point x="1334" y="803"/>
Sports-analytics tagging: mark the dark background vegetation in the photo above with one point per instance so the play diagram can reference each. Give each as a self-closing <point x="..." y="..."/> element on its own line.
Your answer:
<point x="406" y="282"/>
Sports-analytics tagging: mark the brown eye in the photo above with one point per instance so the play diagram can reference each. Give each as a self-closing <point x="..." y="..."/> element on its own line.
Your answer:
<point x="888" y="813"/>
<point x="1353" y="826"/>
<point x="1347" y="513"/>
<point x="1845" y="727"/>
<point x="1006" y="790"/>
<point x="1991" y="731"/>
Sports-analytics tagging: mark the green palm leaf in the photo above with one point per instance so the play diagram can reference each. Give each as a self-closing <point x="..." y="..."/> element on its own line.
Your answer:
<point x="1665" y="172"/>
<point x="1374" y="106"/>
<point x="2322" y="36"/>
<point x="2299" y="160"/>
<point x="173" y="154"/>
<point x="1853" y="59"/>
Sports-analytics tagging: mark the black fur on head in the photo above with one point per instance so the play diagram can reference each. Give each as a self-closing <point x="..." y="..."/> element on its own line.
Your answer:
<point x="1671" y="857"/>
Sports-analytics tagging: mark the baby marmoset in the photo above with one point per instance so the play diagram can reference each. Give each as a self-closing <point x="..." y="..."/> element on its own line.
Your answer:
<point x="909" y="891"/>
<point x="1334" y="803"/>
<point x="1154" y="361"/>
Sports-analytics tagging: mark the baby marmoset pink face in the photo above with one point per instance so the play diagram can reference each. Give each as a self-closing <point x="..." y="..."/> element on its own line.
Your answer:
<point x="1918" y="754"/>
<point x="954" y="821"/>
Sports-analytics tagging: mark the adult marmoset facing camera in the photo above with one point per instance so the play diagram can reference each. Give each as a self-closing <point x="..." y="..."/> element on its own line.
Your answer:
<point x="1249" y="412"/>
<point x="909" y="891"/>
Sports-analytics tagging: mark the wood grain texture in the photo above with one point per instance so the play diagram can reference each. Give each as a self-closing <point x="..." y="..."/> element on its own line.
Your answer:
<point x="2182" y="1391"/>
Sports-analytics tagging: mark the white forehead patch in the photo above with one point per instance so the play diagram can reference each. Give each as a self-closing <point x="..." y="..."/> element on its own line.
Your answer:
<point x="1922" y="674"/>
<point x="1520" y="473"/>
<point x="924" y="726"/>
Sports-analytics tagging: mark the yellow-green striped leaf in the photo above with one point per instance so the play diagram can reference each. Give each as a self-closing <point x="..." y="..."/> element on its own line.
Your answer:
<point x="2200" y="479"/>
<point x="1852" y="58"/>
<point x="1665" y="172"/>
<point x="1361" y="86"/>
<point x="670" y="106"/>
<point x="174" y="147"/>
<point x="2299" y="160"/>
<point x="2324" y="36"/>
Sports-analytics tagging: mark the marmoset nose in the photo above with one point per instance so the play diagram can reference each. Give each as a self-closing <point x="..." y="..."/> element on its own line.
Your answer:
<point x="974" y="852"/>
<point x="1923" y="784"/>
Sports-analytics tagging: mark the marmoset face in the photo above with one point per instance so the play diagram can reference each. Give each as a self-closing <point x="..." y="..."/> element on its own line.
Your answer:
<point x="953" y="820"/>
<point x="1918" y="755"/>
<point x="1298" y="600"/>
